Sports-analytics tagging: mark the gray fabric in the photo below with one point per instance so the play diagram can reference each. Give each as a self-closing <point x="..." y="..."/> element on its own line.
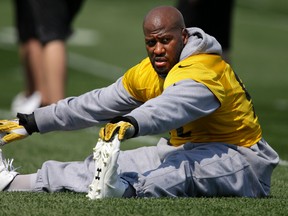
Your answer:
<point x="192" y="170"/>
<point x="200" y="42"/>
<point x="55" y="176"/>
<point x="175" y="107"/>
<point x="101" y="105"/>
<point x="89" y="109"/>
<point x="84" y="111"/>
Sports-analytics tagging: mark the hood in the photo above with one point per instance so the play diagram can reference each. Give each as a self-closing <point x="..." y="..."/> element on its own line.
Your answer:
<point x="200" y="42"/>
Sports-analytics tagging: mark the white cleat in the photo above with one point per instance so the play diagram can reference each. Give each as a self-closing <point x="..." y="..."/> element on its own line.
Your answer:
<point x="7" y="172"/>
<point x="106" y="182"/>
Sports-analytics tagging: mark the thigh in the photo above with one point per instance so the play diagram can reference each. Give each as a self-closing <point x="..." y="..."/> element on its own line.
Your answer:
<point x="145" y="159"/>
<point x="24" y="20"/>
<point x="202" y="170"/>
<point x="133" y="163"/>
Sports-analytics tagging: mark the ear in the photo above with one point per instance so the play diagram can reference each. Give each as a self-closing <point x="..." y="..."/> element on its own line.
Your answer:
<point x="185" y="35"/>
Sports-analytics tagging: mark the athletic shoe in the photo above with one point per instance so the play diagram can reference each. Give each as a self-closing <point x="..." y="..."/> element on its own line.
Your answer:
<point x="106" y="182"/>
<point x="26" y="105"/>
<point x="7" y="172"/>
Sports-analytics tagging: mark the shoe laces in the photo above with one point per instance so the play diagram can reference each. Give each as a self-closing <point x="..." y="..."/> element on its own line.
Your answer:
<point x="8" y="165"/>
<point x="102" y="152"/>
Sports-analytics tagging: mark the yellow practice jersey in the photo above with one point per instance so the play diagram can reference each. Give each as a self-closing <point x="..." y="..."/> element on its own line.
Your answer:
<point x="234" y="122"/>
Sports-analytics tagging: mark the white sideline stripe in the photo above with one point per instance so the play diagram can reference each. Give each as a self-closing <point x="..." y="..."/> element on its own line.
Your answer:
<point x="283" y="162"/>
<point x="94" y="67"/>
<point x="80" y="37"/>
<point x="85" y="37"/>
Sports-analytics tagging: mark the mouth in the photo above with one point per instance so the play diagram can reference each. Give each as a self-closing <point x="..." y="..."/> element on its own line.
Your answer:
<point x="160" y="62"/>
<point x="161" y="66"/>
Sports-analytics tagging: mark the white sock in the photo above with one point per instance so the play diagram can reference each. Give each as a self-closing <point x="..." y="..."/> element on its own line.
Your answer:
<point x="23" y="183"/>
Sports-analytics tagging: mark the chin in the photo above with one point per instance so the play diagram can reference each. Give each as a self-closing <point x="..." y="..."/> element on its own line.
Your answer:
<point x="162" y="74"/>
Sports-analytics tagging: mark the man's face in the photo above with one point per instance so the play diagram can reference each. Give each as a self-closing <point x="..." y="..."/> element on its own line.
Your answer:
<point x="164" y="47"/>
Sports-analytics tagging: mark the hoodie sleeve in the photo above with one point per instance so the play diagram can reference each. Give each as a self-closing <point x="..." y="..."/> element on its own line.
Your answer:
<point x="179" y="104"/>
<point x="89" y="109"/>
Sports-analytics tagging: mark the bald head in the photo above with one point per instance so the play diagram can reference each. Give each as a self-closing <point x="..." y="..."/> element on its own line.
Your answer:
<point x="163" y="16"/>
<point x="165" y="37"/>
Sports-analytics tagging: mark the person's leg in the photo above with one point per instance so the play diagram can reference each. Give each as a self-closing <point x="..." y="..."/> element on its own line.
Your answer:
<point x="22" y="183"/>
<point x="54" y="19"/>
<point x="208" y="170"/>
<point x="30" y="53"/>
<point x="53" y="176"/>
<point x="52" y="29"/>
<point x="56" y="176"/>
<point x="117" y="171"/>
<point x="54" y="61"/>
<point x="199" y="170"/>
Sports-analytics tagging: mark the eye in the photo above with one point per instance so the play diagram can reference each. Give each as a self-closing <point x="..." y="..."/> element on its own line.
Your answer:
<point x="165" y="40"/>
<point x="150" y="43"/>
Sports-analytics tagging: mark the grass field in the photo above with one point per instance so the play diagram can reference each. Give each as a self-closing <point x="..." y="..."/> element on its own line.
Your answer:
<point x="108" y="40"/>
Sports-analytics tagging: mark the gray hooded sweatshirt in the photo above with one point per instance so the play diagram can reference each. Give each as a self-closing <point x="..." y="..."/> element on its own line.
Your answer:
<point x="153" y="117"/>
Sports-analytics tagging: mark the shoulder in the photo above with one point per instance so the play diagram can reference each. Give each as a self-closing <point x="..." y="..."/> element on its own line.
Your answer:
<point x="139" y="71"/>
<point x="142" y="82"/>
<point x="202" y="67"/>
<point x="207" y="69"/>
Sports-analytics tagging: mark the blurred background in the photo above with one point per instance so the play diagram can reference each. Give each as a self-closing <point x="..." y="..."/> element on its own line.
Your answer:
<point x="108" y="40"/>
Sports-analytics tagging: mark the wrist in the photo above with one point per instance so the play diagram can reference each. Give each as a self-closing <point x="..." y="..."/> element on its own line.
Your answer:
<point x="129" y="119"/>
<point x="28" y="122"/>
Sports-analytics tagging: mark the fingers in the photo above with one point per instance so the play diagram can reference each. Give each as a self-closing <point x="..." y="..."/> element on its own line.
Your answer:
<point x="125" y="130"/>
<point x="11" y="131"/>
<point x="106" y="133"/>
<point x="7" y="125"/>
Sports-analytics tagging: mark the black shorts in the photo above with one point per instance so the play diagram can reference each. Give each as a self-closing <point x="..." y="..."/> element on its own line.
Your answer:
<point x="45" y="20"/>
<point x="214" y="17"/>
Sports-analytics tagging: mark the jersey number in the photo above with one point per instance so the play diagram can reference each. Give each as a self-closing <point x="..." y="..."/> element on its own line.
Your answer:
<point x="246" y="93"/>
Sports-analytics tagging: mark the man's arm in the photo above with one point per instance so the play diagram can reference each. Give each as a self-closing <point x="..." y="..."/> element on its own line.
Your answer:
<point x="89" y="109"/>
<point x="179" y="104"/>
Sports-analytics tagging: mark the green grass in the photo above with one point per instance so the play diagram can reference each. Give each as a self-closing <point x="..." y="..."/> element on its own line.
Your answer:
<point x="259" y="56"/>
<point x="77" y="204"/>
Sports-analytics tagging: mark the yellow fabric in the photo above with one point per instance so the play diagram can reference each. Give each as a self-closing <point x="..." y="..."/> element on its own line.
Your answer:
<point x="235" y="122"/>
<point x="12" y="131"/>
<point x="13" y="137"/>
<point x="142" y="82"/>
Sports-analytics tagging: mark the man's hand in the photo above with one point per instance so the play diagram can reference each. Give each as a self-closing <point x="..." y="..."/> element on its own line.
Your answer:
<point x="125" y="130"/>
<point x="11" y="131"/>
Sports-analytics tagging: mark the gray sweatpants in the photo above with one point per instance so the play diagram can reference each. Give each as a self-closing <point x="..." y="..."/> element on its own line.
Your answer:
<point x="191" y="170"/>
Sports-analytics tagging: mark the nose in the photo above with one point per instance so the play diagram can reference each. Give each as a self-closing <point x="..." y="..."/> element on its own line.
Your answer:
<point x="159" y="48"/>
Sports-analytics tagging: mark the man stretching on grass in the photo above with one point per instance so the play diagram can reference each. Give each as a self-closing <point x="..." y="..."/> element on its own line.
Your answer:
<point x="215" y="146"/>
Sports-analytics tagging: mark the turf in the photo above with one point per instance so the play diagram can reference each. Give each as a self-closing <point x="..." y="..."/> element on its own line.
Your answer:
<point x="259" y="56"/>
